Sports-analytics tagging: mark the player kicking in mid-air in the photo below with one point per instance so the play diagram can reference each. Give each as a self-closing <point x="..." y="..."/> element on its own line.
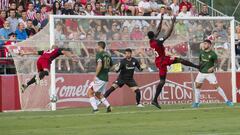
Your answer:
<point x="44" y="62"/>
<point x="208" y="61"/>
<point x="161" y="60"/>
<point x="126" y="68"/>
<point x="97" y="87"/>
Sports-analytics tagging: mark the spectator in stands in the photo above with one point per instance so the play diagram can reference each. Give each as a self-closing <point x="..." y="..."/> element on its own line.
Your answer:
<point x="31" y="13"/>
<point x="128" y="6"/>
<point x="144" y="7"/>
<point x="175" y="7"/>
<point x="221" y="30"/>
<point x="204" y="11"/>
<point x="89" y="9"/>
<point x="169" y="11"/>
<point x="23" y="18"/>
<point x="193" y="11"/>
<point x="71" y="26"/>
<point x="13" y="6"/>
<point x="122" y="11"/>
<point x="11" y="40"/>
<point x="136" y="33"/>
<point x="21" y="32"/>
<point x="110" y="11"/>
<point x="181" y="29"/>
<point x="19" y="11"/>
<point x="154" y="6"/>
<point x="184" y="12"/>
<point x="100" y="33"/>
<point x="67" y="9"/>
<point x="116" y="45"/>
<point x="4" y="33"/>
<point x="13" y="20"/>
<point x="57" y="8"/>
<point x="37" y="21"/>
<point x="76" y="8"/>
<point x="30" y="29"/>
<point x="44" y="14"/>
<point x="3" y="16"/>
<point x="185" y="3"/>
<point x="98" y="9"/>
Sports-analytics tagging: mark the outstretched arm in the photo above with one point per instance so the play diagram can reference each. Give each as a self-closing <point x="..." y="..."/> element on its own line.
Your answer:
<point x="159" y="27"/>
<point x="171" y="29"/>
<point x="30" y="53"/>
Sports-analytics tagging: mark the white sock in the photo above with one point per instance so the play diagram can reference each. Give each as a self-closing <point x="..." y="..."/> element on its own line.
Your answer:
<point x="93" y="103"/>
<point x="221" y="92"/>
<point x="197" y="95"/>
<point x="105" y="102"/>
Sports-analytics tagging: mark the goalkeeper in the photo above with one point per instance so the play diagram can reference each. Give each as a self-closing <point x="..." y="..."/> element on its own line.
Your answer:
<point x="126" y="68"/>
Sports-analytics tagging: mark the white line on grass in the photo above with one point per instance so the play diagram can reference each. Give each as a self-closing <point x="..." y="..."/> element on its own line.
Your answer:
<point x="115" y="113"/>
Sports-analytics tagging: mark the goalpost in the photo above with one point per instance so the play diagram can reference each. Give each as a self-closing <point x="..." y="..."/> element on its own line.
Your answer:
<point x="118" y="40"/>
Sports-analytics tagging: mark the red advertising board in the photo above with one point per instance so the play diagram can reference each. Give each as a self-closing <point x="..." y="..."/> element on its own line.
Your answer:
<point x="72" y="90"/>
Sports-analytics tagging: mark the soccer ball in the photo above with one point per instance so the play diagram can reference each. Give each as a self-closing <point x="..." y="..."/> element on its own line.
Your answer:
<point x="53" y="98"/>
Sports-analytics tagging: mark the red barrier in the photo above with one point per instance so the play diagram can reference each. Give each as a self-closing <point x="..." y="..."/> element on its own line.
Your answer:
<point x="9" y="93"/>
<point x="238" y="87"/>
<point x="72" y="90"/>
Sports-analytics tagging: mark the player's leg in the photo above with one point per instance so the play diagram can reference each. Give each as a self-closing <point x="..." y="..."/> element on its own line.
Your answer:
<point x="102" y="86"/>
<point x="186" y="63"/>
<point x="159" y="89"/>
<point x="197" y="86"/>
<point x="133" y="86"/>
<point x="213" y="80"/>
<point x="115" y="85"/>
<point x="92" y="99"/>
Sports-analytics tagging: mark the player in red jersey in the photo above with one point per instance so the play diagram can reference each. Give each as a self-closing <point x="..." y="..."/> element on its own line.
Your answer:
<point x="44" y="62"/>
<point x="161" y="60"/>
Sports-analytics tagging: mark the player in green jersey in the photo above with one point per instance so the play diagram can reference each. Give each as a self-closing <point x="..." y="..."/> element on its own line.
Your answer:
<point x="97" y="87"/>
<point x="208" y="63"/>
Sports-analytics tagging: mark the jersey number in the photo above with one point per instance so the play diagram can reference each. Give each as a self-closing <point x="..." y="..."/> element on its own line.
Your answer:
<point x="107" y="62"/>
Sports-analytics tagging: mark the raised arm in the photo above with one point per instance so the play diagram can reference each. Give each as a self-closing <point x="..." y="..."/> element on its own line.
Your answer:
<point x="171" y="29"/>
<point x="30" y="53"/>
<point x="159" y="27"/>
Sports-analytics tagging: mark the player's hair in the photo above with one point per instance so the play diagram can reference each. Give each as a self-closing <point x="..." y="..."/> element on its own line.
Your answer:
<point x="208" y="41"/>
<point x="102" y="44"/>
<point x="128" y="50"/>
<point x="151" y="35"/>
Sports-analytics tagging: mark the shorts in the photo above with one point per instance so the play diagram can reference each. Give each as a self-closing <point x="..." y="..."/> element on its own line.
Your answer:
<point x="209" y="76"/>
<point x="130" y="83"/>
<point x="43" y="64"/>
<point x="162" y="65"/>
<point x="98" y="85"/>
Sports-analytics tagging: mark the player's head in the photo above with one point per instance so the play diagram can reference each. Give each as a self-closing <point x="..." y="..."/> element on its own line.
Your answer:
<point x="101" y="45"/>
<point x="128" y="53"/>
<point x="207" y="44"/>
<point x="151" y="35"/>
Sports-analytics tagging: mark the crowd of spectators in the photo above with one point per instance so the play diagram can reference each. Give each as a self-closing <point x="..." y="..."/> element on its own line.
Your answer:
<point x="24" y="18"/>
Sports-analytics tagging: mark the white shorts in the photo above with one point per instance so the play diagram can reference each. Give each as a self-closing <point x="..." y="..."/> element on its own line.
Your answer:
<point x="209" y="76"/>
<point x="98" y="85"/>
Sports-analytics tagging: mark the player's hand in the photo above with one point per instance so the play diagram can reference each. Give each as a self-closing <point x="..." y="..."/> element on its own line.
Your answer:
<point x="211" y="70"/>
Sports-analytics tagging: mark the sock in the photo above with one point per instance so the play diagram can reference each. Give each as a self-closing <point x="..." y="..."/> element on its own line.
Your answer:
<point x="197" y="95"/>
<point x="187" y="63"/>
<point x="159" y="90"/>
<point x="93" y="103"/>
<point x="138" y="96"/>
<point x="31" y="81"/>
<point x="221" y="92"/>
<point x="109" y="91"/>
<point x="42" y="74"/>
<point x="105" y="102"/>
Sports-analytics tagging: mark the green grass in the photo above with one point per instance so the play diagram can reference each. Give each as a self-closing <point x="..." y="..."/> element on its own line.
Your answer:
<point x="215" y="119"/>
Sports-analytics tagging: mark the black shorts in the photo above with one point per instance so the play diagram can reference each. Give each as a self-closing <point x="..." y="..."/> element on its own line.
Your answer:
<point x="130" y="82"/>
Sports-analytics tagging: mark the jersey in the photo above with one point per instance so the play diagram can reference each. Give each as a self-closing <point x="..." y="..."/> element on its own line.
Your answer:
<point x="207" y="60"/>
<point x="127" y="68"/>
<point x="159" y="49"/>
<point x="50" y="55"/>
<point x="106" y="60"/>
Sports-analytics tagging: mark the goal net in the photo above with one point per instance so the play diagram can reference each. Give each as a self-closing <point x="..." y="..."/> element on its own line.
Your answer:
<point x="80" y="34"/>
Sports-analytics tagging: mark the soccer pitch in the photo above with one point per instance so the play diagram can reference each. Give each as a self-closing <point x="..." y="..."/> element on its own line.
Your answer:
<point x="210" y="119"/>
